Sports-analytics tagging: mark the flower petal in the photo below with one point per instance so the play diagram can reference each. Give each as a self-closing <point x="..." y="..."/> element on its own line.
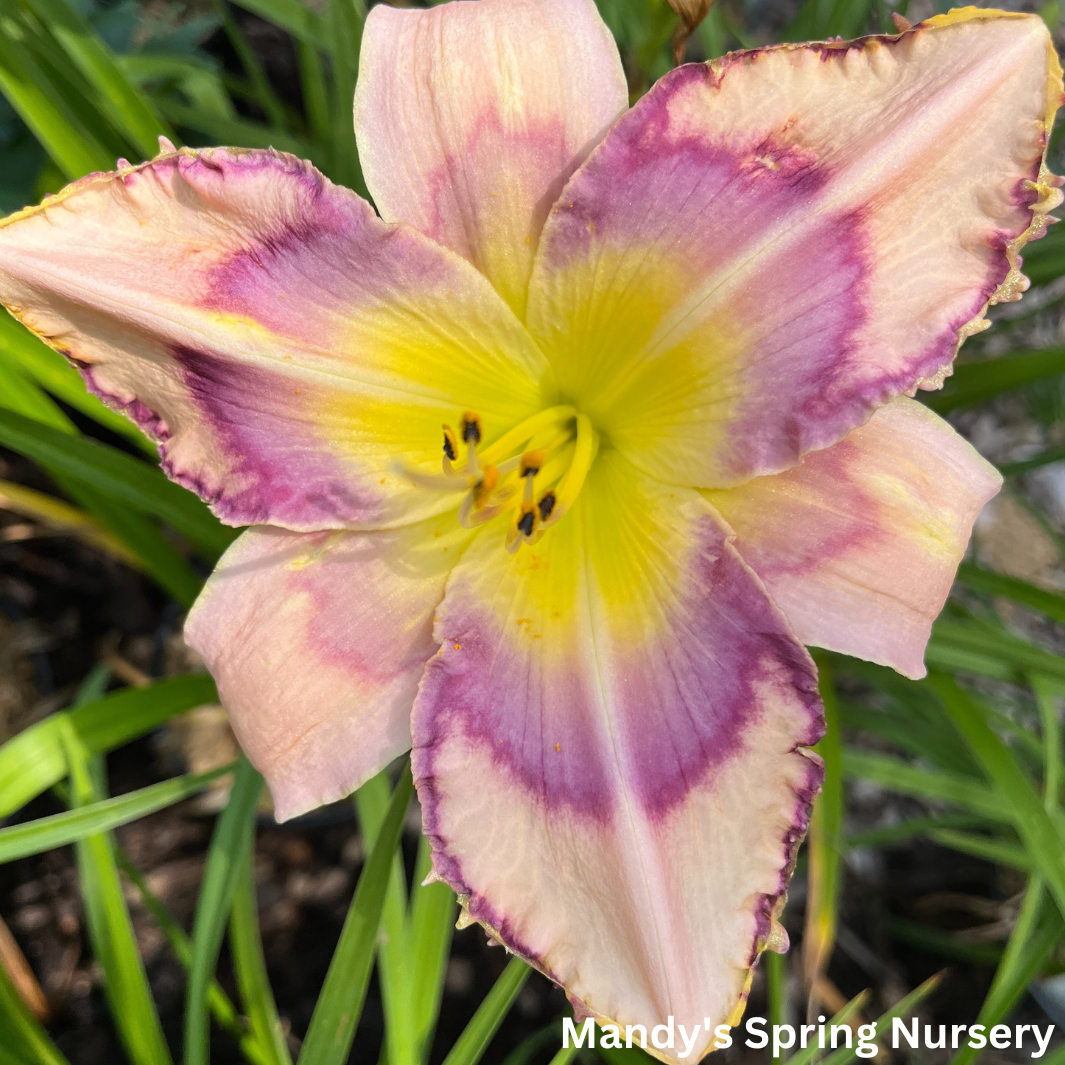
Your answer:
<point x="471" y="116"/>
<point x="283" y="344"/>
<point x="771" y="245"/>
<point x="606" y="749"/>
<point x="859" y="545"/>
<point x="317" y="642"/>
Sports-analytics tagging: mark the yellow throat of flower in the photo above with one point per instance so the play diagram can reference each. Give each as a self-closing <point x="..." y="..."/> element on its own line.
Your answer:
<point x="533" y="472"/>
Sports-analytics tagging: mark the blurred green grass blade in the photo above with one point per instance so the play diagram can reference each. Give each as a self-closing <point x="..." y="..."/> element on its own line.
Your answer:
<point x="565" y="1055"/>
<point x="54" y="373"/>
<point x="72" y="147"/>
<point x="144" y="544"/>
<point x="902" y="1008"/>
<point x="21" y="1034"/>
<point x="776" y="985"/>
<point x="60" y="829"/>
<point x="394" y="938"/>
<point x="140" y="536"/>
<point x="235" y="132"/>
<point x="907" y="829"/>
<point x="957" y="645"/>
<point x="1041" y="838"/>
<point x="345" y="21"/>
<point x="531" y="1045"/>
<point x="805" y="1055"/>
<point x="991" y="850"/>
<point x="824" y="841"/>
<point x="339" y="1006"/>
<point x="249" y="964"/>
<point x="222" y="1009"/>
<point x="1052" y="604"/>
<point x="233" y="830"/>
<point x="22" y="395"/>
<point x="300" y="20"/>
<point x="315" y="93"/>
<point x="109" y="925"/>
<point x="1036" y="932"/>
<point x="433" y="922"/>
<point x="35" y="759"/>
<point x="1047" y="694"/>
<point x="975" y="382"/>
<point x="1044" y="458"/>
<point x="933" y="786"/>
<point x="129" y="111"/>
<point x="121" y="476"/>
<point x="264" y="94"/>
<point x="490" y="1014"/>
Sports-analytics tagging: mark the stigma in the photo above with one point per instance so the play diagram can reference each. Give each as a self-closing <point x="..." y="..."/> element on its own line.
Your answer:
<point x="532" y="474"/>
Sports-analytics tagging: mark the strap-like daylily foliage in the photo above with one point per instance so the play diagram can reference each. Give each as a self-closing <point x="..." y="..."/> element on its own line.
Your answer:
<point x="670" y="349"/>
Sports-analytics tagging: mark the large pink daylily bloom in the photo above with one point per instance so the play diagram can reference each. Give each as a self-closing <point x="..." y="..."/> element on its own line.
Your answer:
<point x="675" y="345"/>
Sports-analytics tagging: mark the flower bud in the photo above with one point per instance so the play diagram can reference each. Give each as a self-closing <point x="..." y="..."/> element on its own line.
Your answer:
<point x="690" y="13"/>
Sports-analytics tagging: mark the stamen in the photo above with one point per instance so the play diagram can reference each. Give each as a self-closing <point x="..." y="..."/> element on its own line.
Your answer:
<point x="451" y="450"/>
<point x="583" y="456"/>
<point x="471" y="428"/>
<point x="546" y="505"/>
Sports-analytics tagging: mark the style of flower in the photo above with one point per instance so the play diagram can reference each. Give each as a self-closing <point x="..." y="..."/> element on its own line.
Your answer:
<point x="670" y="348"/>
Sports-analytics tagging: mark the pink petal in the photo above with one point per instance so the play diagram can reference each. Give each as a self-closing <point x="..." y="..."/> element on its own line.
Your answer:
<point x="607" y="752"/>
<point x="283" y="345"/>
<point x="768" y="247"/>
<point x="471" y="116"/>
<point x="859" y="545"/>
<point x="317" y="642"/>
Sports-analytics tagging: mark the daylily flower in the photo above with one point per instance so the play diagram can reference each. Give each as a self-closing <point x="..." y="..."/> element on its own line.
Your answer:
<point x="671" y="349"/>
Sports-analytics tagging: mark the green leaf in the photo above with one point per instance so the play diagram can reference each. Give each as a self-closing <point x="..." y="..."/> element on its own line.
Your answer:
<point x="345" y="21"/>
<point x="72" y="147"/>
<point x="531" y="1045"/>
<point x="238" y="132"/>
<point x="339" y="1006"/>
<point x="233" y="832"/>
<point x="975" y="382"/>
<point x="1044" y="458"/>
<point x="394" y="940"/>
<point x="35" y="759"/>
<point x="485" y="1022"/>
<point x="991" y="850"/>
<point x="121" y="476"/>
<point x="249" y="964"/>
<point x="1041" y="838"/>
<point x="930" y="785"/>
<point x="901" y="1009"/>
<point x="1035" y="934"/>
<point x="433" y="920"/>
<point x="55" y="374"/>
<point x="301" y="21"/>
<point x="109" y="925"/>
<point x="128" y="110"/>
<point x="24" y="1038"/>
<point x="223" y="1010"/>
<point x="804" y="1055"/>
<point x="965" y="646"/>
<point x="73" y="825"/>
<point x="984" y="580"/>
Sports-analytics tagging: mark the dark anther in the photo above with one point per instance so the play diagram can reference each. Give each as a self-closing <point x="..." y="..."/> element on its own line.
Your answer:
<point x="525" y="523"/>
<point x="449" y="448"/>
<point x="471" y="430"/>
<point x="546" y="505"/>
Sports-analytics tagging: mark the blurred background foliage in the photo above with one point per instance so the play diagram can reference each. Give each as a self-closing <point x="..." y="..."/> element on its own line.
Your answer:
<point x="939" y="841"/>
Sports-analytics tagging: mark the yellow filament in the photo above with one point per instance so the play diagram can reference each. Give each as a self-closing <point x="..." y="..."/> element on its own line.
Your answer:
<point x="520" y="434"/>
